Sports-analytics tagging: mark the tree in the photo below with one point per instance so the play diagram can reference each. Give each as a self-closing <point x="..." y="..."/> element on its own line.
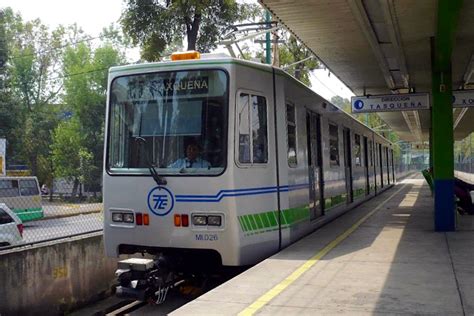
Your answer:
<point x="344" y="104"/>
<point x="85" y="84"/>
<point x="67" y="143"/>
<point x="48" y="73"/>
<point x="370" y="119"/>
<point x="153" y="24"/>
<point x="9" y="107"/>
<point x="293" y="52"/>
<point x="33" y="86"/>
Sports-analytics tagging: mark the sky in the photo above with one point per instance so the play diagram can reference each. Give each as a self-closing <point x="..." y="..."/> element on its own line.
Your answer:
<point x="93" y="15"/>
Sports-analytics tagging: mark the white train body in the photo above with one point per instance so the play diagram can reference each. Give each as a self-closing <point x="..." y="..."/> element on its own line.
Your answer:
<point x="254" y="124"/>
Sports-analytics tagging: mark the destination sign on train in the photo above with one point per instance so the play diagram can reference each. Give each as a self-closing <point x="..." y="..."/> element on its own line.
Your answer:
<point x="390" y="103"/>
<point x="150" y="88"/>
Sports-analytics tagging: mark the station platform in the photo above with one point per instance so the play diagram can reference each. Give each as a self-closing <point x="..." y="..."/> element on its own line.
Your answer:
<point x="382" y="257"/>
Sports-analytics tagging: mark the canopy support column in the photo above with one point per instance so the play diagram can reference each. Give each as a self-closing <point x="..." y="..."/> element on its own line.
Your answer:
<point x="442" y="115"/>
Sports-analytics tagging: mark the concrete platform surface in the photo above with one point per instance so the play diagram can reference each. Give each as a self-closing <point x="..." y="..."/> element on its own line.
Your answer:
<point x="381" y="258"/>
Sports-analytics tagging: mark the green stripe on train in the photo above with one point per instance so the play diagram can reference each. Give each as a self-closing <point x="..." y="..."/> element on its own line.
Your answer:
<point x="334" y="201"/>
<point x="268" y="221"/>
<point x="359" y="193"/>
<point x="29" y="214"/>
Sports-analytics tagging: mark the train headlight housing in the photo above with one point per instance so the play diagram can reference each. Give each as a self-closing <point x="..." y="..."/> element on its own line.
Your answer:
<point x="214" y="220"/>
<point x="128" y="217"/>
<point x="200" y="220"/>
<point x="117" y="217"/>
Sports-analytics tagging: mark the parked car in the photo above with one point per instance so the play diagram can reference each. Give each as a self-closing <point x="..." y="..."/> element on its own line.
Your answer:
<point x="11" y="227"/>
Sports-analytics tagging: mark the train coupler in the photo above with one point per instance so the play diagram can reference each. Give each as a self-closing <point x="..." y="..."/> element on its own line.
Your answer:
<point x="144" y="279"/>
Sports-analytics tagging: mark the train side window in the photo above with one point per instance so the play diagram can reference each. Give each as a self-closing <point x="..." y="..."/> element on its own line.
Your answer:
<point x="371" y="153"/>
<point x="253" y="136"/>
<point x="357" y="150"/>
<point x="244" y="128"/>
<point x="333" y="145"/>
<point x="291" y="130"/>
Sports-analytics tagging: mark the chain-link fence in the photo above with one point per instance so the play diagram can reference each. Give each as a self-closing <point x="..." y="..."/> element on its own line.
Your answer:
<point x="32" y="213"/>
<point x="464" y="158"/>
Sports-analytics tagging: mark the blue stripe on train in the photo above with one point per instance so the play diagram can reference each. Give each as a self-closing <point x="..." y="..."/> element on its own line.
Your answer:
<point x="238" y="192"/>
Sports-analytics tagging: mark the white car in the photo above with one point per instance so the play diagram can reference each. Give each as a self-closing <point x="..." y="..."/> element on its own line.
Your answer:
<point x="11" y="227"/>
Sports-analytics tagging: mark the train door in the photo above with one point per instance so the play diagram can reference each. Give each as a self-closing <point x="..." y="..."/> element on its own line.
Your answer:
<point x="387" y="163"/>
<point x="393" y="166"/>
<point x="366" y="166"/>
<point x="348" y="164"/>
<point x="373" y="162"/>
<point x="313" y="128"/>
<point x="379" y="158"/>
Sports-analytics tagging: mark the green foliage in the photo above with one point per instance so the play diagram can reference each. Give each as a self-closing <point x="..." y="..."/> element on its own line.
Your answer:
<point x="50" y="72"/>
<point x="464" y="149"/>
<point x="67" y="141"/>
<point x="9" y="112"/>
<point x="32" y="85"/>
<point x="85" y="96"/>
<point x="344" y="104"/>
<point x="87" y="168"/>
<point x="70" y="159"/>
<point x="292" y="52"/>
<point x="153" y="24"/>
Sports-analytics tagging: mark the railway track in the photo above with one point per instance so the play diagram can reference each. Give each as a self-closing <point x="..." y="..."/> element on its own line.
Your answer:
<point x="124" y="308"/>
<point x="176" y="298"/>
<point x="131" y="307"/>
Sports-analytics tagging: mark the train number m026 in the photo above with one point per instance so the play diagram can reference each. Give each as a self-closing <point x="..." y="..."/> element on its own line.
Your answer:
<point x="207" y="237"/>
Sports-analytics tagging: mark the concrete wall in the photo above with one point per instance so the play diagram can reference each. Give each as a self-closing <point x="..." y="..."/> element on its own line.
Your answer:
<point x="55" y="278"/>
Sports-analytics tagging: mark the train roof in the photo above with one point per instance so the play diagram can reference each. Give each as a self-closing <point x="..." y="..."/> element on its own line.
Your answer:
<point x="222" y="59"/>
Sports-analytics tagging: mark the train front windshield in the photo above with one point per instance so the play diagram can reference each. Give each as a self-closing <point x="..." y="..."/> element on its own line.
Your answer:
<point x="173" y="121"/>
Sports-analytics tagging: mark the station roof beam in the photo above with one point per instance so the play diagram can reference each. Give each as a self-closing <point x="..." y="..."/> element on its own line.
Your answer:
<point x="380" y="47"/>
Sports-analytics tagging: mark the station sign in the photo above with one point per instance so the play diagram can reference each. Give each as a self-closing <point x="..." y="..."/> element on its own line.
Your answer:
<point x="463" y="98"/>
<point x="390" y="102"/>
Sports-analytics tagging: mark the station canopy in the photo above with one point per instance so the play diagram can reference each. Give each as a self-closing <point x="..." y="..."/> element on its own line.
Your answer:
<point x="384" y="47"/>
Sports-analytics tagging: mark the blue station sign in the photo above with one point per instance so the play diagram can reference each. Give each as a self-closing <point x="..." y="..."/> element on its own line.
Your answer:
<point x="463" y="98"/>
<point x="390" y="103"/>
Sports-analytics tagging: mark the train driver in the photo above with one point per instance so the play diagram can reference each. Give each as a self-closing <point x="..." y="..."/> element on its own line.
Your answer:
<point x="192" y="159"/>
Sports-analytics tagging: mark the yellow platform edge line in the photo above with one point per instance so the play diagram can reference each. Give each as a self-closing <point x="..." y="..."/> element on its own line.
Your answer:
<point x="280" y="287"/>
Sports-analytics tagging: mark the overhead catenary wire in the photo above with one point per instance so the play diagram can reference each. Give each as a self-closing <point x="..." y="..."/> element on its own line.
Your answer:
<point x="329" y="89"/>
<point x="88" y="39"/>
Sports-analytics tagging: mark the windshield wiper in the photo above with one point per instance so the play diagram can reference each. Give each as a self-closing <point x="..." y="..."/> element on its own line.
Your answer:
<point x="160" y="180"/>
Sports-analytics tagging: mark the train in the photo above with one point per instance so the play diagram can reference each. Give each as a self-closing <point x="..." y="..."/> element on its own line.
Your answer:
<point x="212" y="161"/>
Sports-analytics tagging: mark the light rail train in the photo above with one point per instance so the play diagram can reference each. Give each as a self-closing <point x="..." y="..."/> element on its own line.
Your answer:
<point x="213" y="161"/>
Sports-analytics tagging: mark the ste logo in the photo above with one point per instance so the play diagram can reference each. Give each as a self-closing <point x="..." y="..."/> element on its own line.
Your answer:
<point x="160" y="201"/>
<point x="359" y="104"/>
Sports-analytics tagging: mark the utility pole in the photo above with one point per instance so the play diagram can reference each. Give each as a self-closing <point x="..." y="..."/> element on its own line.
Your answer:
<point x="268" y="58"/>
<point x="276" y="55"/>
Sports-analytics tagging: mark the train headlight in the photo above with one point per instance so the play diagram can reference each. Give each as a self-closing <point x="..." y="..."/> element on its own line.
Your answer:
<point x="117" y="217"/>
<point x="200" y="220"/>
<point x="128" y="217"/>
<point x="214" y="220"/>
